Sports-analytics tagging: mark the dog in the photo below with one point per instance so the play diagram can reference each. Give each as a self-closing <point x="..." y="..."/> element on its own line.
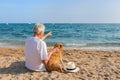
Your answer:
<point x="55" y="62"/>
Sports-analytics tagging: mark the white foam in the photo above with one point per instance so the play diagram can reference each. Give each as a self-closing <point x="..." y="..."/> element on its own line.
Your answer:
<point x="96" y="48"/>
<point x="74" y="44"/>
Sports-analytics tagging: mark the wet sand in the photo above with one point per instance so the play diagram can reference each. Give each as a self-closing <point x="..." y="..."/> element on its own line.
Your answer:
<point x="93" y="64"/>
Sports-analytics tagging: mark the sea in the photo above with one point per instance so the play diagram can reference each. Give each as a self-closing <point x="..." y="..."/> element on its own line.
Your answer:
<point x="71" y="35"/>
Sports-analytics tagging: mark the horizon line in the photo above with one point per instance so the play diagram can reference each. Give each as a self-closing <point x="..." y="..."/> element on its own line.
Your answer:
<point x="60" y="23"/>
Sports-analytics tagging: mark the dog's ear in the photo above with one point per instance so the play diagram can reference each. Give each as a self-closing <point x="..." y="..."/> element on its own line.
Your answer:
<point x="59" y="45"/>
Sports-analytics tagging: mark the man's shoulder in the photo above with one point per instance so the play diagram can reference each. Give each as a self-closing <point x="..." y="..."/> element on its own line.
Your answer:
<point x="36" y="40"/>
<point x="39" y="40"/>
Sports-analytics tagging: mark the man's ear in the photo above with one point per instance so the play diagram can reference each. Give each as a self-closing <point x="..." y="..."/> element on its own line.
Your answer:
<point x="41" y="32"/>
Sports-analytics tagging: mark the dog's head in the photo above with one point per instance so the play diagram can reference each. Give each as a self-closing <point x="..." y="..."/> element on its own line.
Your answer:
<point x="59" y="45"/>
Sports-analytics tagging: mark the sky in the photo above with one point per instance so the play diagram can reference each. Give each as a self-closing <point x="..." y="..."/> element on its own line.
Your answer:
<point x="60" y="11"/>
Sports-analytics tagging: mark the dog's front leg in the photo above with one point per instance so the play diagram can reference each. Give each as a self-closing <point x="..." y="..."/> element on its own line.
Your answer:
<point x="61" y="69"/>
<point x="61" y="60"/>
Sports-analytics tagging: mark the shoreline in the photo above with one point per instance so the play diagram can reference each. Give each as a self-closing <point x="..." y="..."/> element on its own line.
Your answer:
<point x="77" y="48"/>
<point x="95" y="46"/>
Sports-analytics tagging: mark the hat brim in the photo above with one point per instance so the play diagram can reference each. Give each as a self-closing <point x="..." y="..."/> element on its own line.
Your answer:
<point x="75" y="70"/>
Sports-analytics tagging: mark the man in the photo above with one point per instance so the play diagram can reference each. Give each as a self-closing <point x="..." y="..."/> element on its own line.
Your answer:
<point x="36" y="55"/>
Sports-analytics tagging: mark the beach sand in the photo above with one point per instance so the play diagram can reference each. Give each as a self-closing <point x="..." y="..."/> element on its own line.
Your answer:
<point x="93" y="64"/>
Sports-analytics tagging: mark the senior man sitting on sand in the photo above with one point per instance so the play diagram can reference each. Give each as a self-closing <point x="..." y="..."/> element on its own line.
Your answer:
<point x="36" y="54"/>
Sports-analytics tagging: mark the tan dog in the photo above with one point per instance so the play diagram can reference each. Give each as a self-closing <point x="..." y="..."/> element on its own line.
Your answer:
<point x="55" y="62"/>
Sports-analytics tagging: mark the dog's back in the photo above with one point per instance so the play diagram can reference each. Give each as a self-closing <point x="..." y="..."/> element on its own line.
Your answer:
<point x="55" y="58"/>
<point x="54" y="61"/>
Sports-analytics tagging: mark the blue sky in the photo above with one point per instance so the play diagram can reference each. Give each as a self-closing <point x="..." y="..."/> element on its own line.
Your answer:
<point x="60" y="11"/>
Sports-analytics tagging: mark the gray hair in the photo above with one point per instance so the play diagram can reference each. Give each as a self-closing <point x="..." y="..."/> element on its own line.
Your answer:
<point x="38" y="28"/>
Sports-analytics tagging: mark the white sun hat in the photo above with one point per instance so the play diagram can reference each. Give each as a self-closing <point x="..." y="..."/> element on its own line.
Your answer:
<point x="71" y="67"/>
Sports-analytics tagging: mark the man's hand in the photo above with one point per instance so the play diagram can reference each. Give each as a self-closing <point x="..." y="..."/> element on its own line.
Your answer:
<point x="50" y="53"/>
<point x="49" y="34"/>
<point x="46" y="35"/>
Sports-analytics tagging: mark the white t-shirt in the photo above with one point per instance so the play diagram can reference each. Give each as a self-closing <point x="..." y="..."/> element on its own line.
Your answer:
<point x="35" y="51"/>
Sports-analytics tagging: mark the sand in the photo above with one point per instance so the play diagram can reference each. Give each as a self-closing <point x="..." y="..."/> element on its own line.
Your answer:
<point x="93" y="64"/>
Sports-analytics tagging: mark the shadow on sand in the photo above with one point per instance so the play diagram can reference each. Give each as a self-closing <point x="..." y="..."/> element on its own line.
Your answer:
<point x="15" y="68"/>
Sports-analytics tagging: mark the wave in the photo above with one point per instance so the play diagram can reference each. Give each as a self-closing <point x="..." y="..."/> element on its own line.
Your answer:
<point x="75" y="44"/>
<point x="98" y="46"/>
<point x="93" y="44"/>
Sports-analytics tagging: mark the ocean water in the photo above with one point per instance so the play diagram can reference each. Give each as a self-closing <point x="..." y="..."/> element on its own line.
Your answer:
<point x="76" y="35"/>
